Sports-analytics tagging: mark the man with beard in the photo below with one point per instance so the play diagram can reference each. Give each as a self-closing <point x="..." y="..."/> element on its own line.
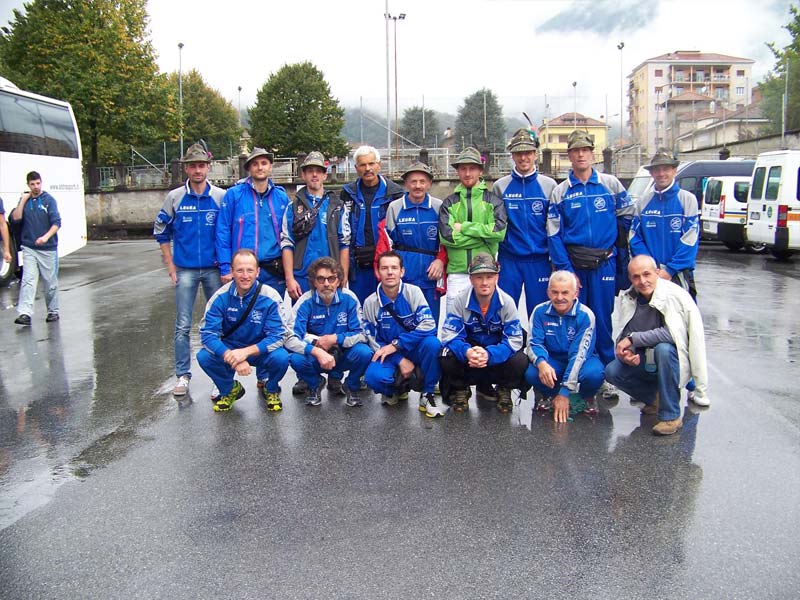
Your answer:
<point x="327" y="332"/>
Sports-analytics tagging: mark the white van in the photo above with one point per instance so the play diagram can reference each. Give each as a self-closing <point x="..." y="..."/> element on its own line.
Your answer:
<point x="724" y="211"/>
<point x="773" y="207"/>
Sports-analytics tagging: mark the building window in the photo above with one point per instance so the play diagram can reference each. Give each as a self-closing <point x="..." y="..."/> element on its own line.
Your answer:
<point x="659" y="73"/>
<point x="678" y="91"/>
<point x="740" y="72"/>
<point x="740" y="91"/>
<point x="678" y="75"/>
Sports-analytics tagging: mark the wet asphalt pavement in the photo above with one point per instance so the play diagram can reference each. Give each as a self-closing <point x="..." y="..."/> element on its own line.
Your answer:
<point x="110" y="488"/>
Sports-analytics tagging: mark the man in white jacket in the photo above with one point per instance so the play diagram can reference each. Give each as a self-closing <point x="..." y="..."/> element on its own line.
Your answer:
<point x="661" y="346"/>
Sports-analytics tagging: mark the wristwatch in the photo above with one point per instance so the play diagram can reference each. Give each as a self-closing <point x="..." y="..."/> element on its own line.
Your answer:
<point x="396" y="343"/>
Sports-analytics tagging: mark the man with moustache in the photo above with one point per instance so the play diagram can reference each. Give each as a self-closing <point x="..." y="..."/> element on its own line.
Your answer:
<point x="366" y="200"/>
<point x="185" y="229"/>
<point x="327" y="332"/>
<point x="250" y="216"/>
<point x="523" y="253"/>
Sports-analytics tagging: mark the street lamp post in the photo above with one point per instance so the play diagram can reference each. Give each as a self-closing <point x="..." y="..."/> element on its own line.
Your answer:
<point x="386" y="17"/>
<point x="574" y="104"/>
<point x="620" y="46"/>
<point x="394" y="19"/>
<point x="180" y="91"/>
<point x="240" y="106"/>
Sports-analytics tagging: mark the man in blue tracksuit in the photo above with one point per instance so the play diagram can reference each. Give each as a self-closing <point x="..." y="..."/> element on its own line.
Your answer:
<point x="561" y="349"/>
<point x="665" y="224"/>
<point x="411" y="229"/>
<point x="366" y="200"/>
<point x="185" y="229"/>
<point x="482" y="339"/>
<point x="250" y="216"/>
<point x="327" y="332"/>
<point x="587" y="211"/>
<point x="402" y="332"/>
<point x="244" y="327"/>
<point x="38" y="212"/>
<point x="523" y="254"/>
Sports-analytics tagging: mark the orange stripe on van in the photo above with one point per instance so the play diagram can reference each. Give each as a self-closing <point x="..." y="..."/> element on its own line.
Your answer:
<point x="793" y="216"/>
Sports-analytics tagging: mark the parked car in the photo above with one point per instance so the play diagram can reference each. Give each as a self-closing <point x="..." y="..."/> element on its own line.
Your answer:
<point x="773" y="207"/>
<point x="724" y="213"/>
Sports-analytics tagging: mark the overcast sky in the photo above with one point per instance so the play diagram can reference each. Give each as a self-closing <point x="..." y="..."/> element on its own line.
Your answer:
<point x="448" y="49"/>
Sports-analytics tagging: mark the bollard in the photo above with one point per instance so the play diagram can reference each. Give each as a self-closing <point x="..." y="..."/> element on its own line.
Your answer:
<point x="547" y="161"/>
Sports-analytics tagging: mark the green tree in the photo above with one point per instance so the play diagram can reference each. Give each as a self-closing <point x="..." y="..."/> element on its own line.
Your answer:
<point x="294" y="112"/>
<point x="96" y="55"/>
<point x="480" y="121"/>
<point x="773" y="86"/>
<point x="207" y="115"/>
<point x="411" y="126"/>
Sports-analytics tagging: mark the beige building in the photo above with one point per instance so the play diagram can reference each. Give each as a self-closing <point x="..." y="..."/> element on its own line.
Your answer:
<point x="670" y="95"/>
<point x="556" y="131"/>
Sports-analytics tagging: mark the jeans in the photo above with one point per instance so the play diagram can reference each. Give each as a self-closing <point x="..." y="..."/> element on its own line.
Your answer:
<point x="643" y="385"/>
<point x="37" y="263"/>
<point x="185" y="294"/>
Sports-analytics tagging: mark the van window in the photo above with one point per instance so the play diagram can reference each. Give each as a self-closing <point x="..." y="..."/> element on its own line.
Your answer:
<point x="758" y="183"/>
<point x="773" y="183"/>
<point x="713" y="190"/>
<point x="688" y="183"/>
<point x="740" y="190"/>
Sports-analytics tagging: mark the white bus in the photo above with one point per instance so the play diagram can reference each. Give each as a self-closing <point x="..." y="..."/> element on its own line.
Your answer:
<point x="40" y="134"/>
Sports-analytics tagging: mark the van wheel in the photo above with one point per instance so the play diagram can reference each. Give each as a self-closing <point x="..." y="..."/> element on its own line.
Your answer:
<point x="733" y="246"/>
<point x="756" y="248"/>
<point x="781" y="254"/>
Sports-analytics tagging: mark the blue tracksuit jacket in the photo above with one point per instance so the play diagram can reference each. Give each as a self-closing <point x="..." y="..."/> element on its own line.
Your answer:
<point x="413" y="310"/>
<point x="265" y="326"/>
<point x="500" y="333"/>
<point x="568" y="339"/>
<point x="410" y="225"/>
<point x="189" y="221"/>
<point x="585" y="214"/>
<point x="666" y="226"/>
<point x="251" y="220"/>
<point x="312" y="318"/>
<point x="526" y="199"/>
<point x="354" y="202"/>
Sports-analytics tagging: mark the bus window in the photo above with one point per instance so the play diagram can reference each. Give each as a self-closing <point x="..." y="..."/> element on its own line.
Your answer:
<point x="31" y="127"/>
<point x="773" y="183"/>
<point x="758" y="183"/>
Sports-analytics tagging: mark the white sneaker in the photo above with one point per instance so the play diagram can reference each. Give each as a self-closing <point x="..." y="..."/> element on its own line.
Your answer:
<point x="181" y="386"/>
<point x="389" y="399"/>
<point x="699" y="400"/>
<point x="431" y="406"/>
<point x="215" y="394"/>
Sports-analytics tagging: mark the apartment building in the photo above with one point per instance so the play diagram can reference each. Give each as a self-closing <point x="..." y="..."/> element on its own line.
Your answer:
<point x="556" y="131"/>
<point x="671" y="95"/>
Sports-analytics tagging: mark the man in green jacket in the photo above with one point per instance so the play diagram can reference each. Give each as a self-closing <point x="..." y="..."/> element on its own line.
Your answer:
<point x="471" y="220"/>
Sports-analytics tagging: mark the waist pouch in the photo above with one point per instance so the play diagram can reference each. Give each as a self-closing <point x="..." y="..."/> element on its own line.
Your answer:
<point x="364" y="256"/>
<point x="273" y="266"/>
<point x="304" y="222"/>
<point x="587" y="259"/>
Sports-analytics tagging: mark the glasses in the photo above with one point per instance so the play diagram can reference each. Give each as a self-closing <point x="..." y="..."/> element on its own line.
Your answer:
<point x="328" y="279"/>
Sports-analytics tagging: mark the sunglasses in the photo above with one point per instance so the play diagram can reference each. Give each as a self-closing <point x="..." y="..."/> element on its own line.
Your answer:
<point x="329" y="279"/>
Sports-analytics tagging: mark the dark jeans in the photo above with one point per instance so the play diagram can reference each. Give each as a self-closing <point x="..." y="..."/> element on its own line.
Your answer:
<point x="456" y="375"/>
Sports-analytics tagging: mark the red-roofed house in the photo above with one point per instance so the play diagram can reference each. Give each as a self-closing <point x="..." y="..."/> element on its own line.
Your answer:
<point x="664" y="89"/>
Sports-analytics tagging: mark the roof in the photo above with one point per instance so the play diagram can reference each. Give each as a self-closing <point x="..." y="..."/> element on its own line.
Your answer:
<point x="689" y="57"/>
<point x="571" y="118"/>
<point x="689" y="97"/>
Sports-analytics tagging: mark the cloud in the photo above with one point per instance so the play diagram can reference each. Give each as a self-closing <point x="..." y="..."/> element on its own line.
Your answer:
<point x="602" y="17"/>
